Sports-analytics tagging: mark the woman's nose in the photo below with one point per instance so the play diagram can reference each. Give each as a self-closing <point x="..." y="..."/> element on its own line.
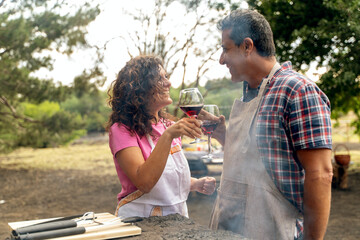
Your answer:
<point x="167" y="83"/>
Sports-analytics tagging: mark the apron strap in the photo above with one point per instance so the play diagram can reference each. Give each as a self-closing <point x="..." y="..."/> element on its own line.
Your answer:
<point x="148" y="137"/>
<point x="276" y="67"/>
<point x="129" y="198"/>
<point x="263" y="85"/>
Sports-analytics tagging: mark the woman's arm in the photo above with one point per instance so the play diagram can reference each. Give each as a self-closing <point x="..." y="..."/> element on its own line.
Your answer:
<point x="145" y="174"/>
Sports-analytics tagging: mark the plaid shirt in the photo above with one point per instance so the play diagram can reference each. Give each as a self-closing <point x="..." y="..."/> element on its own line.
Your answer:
<point x="294" y="114"/>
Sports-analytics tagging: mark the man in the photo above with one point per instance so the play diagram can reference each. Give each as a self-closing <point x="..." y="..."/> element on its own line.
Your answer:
<point x="277" y="172"/>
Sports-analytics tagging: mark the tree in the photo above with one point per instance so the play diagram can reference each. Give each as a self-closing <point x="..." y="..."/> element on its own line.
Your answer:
<point x="30" y="32"/>
<point x="189" y="42"/>
<point x="324" y="31"/>
<point x="92" y="107"/>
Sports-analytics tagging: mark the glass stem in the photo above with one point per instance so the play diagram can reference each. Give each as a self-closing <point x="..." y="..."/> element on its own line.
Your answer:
<point x="209" y="144"/>
<point x="196" y="140"/>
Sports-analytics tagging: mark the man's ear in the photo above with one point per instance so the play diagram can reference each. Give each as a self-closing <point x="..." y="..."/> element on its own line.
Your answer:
<point x="248" y="45"/>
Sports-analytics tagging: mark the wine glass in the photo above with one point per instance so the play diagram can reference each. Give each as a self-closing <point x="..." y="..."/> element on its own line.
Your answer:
<point x="208" y="126"/>
<point x="191" y="103"/>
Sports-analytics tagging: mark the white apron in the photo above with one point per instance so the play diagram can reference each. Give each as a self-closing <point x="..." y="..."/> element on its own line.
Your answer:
<point x="248" y="201"/>
<point x="169" y="194"/>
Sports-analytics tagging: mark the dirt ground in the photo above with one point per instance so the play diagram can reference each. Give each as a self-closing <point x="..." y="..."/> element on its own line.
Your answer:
<point x="35" y="194"/>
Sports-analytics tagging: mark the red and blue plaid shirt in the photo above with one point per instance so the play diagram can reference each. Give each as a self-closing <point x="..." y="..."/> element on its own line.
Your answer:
<point x="294" y="114"/>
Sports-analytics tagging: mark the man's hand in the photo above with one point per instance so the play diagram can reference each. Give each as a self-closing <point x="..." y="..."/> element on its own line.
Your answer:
<point x="220" y="132"/>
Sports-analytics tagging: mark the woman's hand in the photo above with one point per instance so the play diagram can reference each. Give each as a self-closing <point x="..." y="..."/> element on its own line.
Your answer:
<point x="204" y="185"/>
<point x="186" y="126"/>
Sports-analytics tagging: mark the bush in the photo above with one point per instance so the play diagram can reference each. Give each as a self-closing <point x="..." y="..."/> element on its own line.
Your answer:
<point x="92" y="108"/>
<point x="53" y="127"/>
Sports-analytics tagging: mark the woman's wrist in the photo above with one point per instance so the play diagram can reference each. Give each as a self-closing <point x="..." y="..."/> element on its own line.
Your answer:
<point x="167" y="136"/>
<point x="193" y="186"/>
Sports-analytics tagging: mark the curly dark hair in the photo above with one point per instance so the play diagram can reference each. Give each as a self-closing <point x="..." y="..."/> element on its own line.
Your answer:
<point x="137" y="84"/>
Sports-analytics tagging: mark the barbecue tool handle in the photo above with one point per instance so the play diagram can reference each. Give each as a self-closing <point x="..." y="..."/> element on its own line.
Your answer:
<point x="45" y="227"/>
<point x="132" y="219"/>
<point x="52" y="234"/>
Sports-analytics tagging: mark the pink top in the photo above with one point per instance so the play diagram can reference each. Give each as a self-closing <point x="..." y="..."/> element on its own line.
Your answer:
<point x="120" y="138"/>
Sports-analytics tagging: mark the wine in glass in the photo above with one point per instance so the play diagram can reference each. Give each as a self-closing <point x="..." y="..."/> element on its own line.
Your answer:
<point x="209" y="125"/>
<point x="191" y="103"/>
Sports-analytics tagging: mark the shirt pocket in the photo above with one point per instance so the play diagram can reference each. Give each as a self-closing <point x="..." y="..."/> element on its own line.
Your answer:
<point x="270" y="130"/>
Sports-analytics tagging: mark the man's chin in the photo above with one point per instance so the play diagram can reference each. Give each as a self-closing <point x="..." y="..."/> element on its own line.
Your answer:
<point x="236" y="78"/>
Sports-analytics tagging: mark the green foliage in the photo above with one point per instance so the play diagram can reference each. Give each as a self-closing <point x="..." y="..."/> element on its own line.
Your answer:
<point x="83" y="84"/>
<point x="325" y="31"/>
<point x="40" y="111"/>
<point x="30" y="31"/>
<point x="95" y="122"/>
<point x="52" y="127"/>
<point x="24" y="41"/>
<point x="92" y="107"/>
<point x="83" y="105"/>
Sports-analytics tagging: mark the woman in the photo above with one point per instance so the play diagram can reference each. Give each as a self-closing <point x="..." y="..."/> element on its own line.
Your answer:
<point x="146" y="144"/>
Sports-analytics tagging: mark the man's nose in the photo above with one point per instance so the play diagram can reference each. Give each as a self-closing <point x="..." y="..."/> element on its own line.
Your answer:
<point x="222" y="60"/>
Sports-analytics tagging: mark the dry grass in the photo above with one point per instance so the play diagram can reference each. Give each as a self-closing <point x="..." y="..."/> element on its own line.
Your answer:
<point x="74" y="157"/>
<point x="90" y="156"/>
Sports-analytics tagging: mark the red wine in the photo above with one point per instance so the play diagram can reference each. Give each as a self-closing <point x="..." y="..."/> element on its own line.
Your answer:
<point x="191" y="110"/>
<point x="209" y="127"/>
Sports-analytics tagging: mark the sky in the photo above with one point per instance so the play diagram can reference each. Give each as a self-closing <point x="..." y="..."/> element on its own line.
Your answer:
<point x="109" y="27"/>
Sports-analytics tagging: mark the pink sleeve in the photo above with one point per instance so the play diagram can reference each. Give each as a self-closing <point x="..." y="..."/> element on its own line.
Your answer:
<point x="120" y="138"/>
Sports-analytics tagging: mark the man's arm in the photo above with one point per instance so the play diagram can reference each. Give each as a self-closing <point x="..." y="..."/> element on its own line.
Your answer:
<point x="317" y="191"/>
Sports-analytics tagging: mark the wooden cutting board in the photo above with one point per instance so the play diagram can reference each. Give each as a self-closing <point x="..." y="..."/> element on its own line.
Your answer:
<point x="114" y="230"/>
